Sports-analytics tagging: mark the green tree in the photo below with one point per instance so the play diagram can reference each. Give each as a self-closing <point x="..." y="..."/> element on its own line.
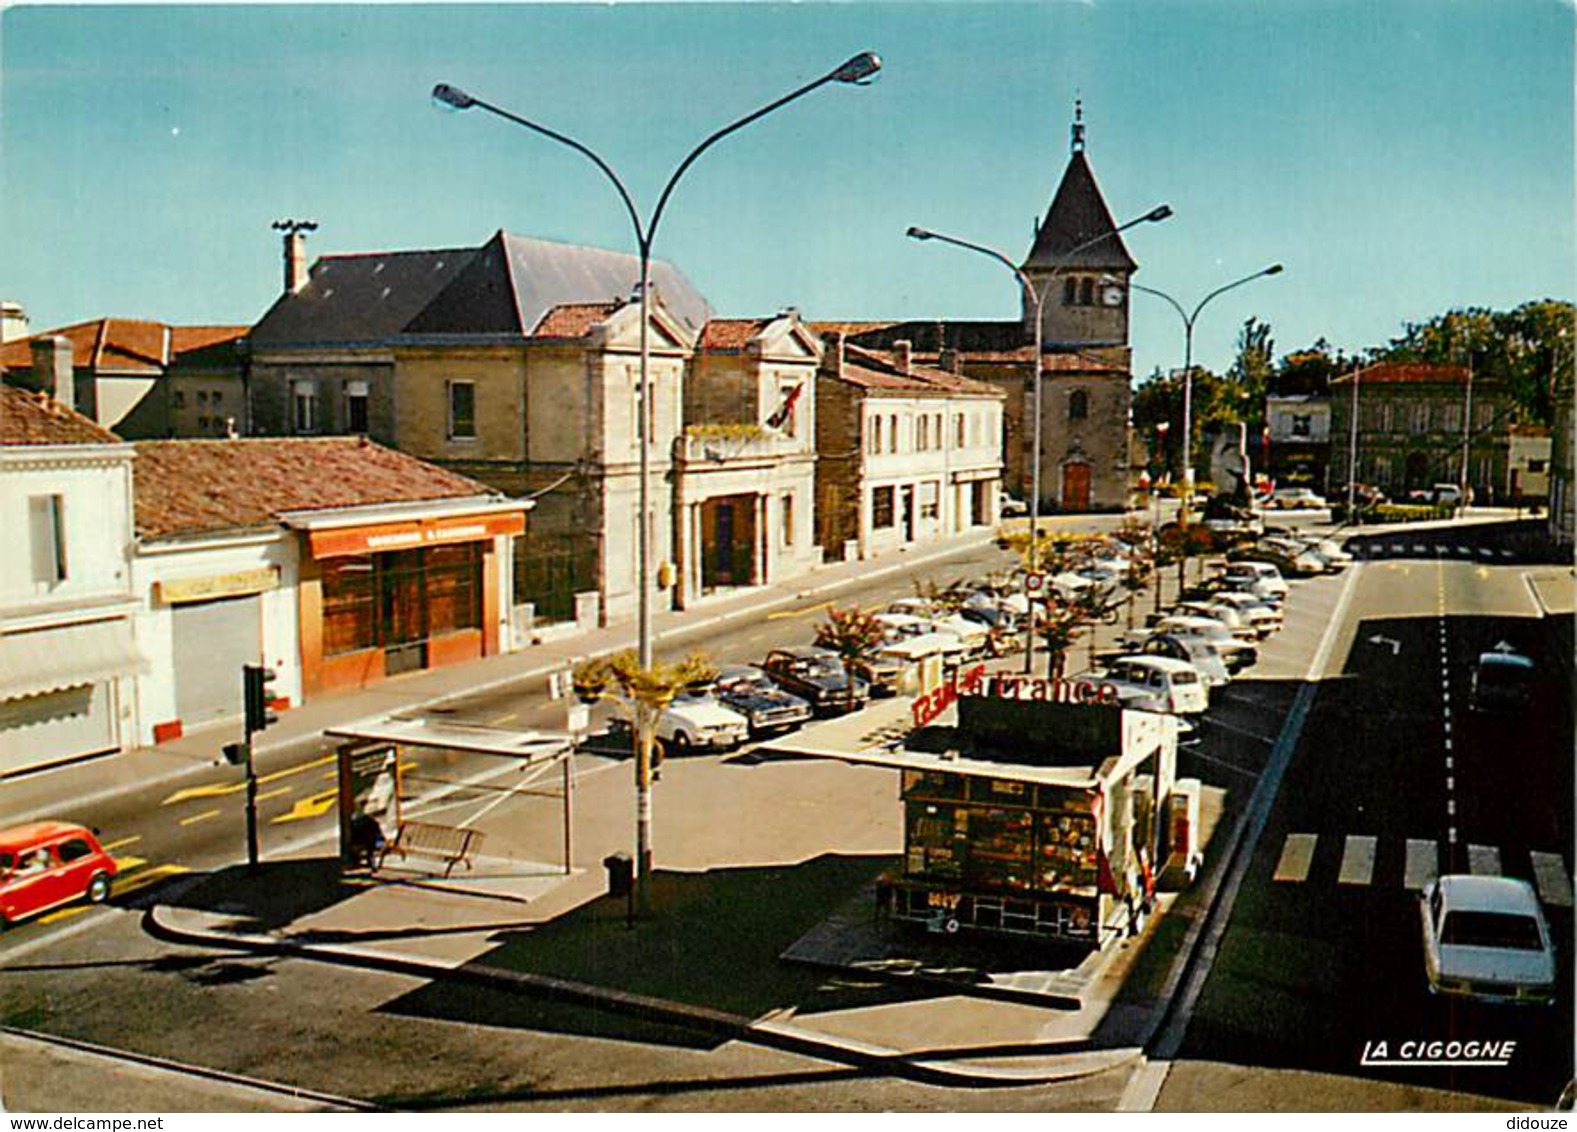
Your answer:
<point x="854" y="635"/>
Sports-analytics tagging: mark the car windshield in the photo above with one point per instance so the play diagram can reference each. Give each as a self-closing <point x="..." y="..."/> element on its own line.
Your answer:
<point x="1183" y="676"/>
<point x="1491" y="929"/>
<point x="1505" y="675"/>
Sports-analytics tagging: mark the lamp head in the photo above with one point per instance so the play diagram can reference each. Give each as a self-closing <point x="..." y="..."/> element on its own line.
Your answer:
<point x="452" y="96"/>
<point x="919" y="234"/>
<point x="1159" y="212"/>
<point x="858" y="69"/>
<point x="1273" y="269"/>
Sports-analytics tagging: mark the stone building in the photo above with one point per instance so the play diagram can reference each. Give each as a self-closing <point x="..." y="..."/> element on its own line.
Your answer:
<point x="1415" y="422"/>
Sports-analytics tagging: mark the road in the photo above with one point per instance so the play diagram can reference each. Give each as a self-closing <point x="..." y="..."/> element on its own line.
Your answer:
<point x="1396" y="781"/>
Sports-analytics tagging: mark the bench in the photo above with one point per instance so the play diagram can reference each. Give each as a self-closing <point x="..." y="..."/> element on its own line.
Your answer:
<point x="449" y="844"/>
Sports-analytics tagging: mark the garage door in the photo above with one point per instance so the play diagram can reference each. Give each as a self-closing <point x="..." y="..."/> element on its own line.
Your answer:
<point x="65" y="723"/>
<point x="213" y="639"/>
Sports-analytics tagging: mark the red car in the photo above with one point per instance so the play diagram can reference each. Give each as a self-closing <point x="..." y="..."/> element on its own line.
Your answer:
<point x="48" y="864"/>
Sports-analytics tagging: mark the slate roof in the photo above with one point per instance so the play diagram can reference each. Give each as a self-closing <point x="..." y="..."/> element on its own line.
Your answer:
<point x="124" y="345"/>
<point x="504" y="288"/>
<point x="931" y="335"/>
<point x="194" y="487"/>
<point x="1078" y="213"/>
<point x="879" y="372"/>
<point x="29" y="418"/>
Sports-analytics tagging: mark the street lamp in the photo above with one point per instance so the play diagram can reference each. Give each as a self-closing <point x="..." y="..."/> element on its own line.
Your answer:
<point x="855" y="71"/>
<point x="1188" y="370"/>
<point x="1037" y="296"/>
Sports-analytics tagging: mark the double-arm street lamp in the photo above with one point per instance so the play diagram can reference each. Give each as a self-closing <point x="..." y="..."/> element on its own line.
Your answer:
<point x="853" y="72"/>
<point x="1188" y="370"/>
<point x="1037" y="296"/>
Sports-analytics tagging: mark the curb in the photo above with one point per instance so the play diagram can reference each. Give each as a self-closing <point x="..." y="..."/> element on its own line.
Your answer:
<point x="931" y="1070"/>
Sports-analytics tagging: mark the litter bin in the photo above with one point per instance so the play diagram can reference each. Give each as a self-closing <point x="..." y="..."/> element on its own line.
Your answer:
<point x="621" y="873"/>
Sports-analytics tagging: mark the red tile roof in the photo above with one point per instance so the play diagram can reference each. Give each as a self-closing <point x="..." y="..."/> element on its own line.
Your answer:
<point x="872" y="369"/>
<point x="121" y="344"/>
<point x="1406" y="373"/>
<point x="189" y="487"/>
<point x="573" y="320"/>
<point x="730" y="333"/>
<point x="37" y="418"/>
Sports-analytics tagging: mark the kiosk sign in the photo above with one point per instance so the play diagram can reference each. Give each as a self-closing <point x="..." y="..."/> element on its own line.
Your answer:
<point x="927" y="707"/>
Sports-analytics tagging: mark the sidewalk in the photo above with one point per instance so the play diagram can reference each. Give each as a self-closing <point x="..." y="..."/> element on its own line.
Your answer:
<point x="43" y="794"/>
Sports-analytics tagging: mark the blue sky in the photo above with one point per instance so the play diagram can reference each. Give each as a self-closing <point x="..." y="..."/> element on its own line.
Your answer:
<point x="1399" y="157"/>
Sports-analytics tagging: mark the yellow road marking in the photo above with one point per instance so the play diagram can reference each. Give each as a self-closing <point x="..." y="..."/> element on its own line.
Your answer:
<point x="64" y="914"/>
<point x="220" y="789"/>
<point x="122" y="843"/>
<point x="147" y="877"/>
<point x="204" y="816"/>
<point x="283" y="790"/>
<point x="507" y="717"/>
<point x="798" y="612"/>
<point x="311" y="807"/>
<point x="127" y="864"/>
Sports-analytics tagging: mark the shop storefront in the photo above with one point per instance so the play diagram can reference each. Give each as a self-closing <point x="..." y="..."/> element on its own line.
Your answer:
<point x="391" y="597"/>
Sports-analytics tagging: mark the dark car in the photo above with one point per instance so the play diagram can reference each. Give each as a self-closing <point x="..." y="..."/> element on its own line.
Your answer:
<point x="752" y="693"/>
<point x="817" y="676"/>
<point x="1503" y="680"/>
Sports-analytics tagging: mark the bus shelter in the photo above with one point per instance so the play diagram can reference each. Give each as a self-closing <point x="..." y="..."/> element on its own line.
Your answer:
<point x="377" y="782"/>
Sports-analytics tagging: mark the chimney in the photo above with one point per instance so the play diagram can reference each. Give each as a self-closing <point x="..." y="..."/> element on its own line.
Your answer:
<point x="295" y="251"/>
<point x="951" y="360"/>
<point x="832" y="356"/>
<point x="13" y="321"/>
<point x="52" y="372"/>
<point x="903" y="355"/>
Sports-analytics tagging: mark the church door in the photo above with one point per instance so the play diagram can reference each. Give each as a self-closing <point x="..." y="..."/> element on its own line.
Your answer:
<point x="1076" y="487"/>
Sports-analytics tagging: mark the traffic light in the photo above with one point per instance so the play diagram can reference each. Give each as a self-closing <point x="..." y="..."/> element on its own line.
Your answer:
<point x="257" y="692"/>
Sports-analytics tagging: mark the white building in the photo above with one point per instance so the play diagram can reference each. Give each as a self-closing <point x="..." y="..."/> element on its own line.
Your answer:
<point x="67" y="653"/>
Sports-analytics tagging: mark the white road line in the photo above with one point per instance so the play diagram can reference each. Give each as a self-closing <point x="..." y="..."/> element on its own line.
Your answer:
<point x="1483" y="860"/>
<point x="1357" y="860"/>
<point x="1423" y="863"/>
<point x="1297" y="857"/>
<point x="1549" y="874"/>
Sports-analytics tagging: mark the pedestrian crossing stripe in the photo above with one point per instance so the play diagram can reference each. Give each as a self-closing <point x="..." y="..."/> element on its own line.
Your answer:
<point x="1422" y="865"/>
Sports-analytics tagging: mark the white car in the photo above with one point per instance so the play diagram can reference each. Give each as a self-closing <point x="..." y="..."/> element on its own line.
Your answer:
<point x="1296" y="498"/>
<point x="1236" y="622"/>
<point x="899" y="626"/>
<point x="1158" y="683"/>
<point x="1485" y="938"/>
<point x="696" y="721"/>
<point x="973" y="634"/>
<point x="1262" y="575"/>
<point x="1236" y="652"/>
<point x="1259" y="611"/>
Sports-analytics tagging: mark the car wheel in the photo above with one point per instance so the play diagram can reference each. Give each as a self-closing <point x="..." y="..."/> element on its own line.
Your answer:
<point x="681" y="742"/>
<point x="98" y="889"/>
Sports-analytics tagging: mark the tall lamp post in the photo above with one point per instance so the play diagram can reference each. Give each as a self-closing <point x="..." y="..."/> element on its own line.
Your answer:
<point x="1037" y="296"/>
<point x="1188" y="371"/>
<point x="854" y="71"/>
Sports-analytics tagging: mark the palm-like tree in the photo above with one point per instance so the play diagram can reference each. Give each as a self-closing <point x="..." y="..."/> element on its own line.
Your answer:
<point x="1059" y="625"/>
<point x="853" y="634"/>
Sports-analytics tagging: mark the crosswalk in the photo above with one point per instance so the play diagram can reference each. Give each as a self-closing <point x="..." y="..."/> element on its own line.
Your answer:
<point x="1421" y="863"/>
<point x="1410" y="549"/>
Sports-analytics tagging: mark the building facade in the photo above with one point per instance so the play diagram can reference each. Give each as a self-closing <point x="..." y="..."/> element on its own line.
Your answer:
<point x="68" y="655"/>
<point x="906" y="453"/>
<point x="1415" y="424"/>
<point x="1298" y="436"/>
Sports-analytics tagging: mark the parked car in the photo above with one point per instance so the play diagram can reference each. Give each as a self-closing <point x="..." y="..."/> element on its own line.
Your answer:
<point x="898" y="626"/>
<point x="1486" y="938"/>
<point x="976" y="638"/>
<point x="1290" y="556"/>
<point x="1237" y="624"/>
<point x="49" y="864"/>
<point x="1263" y="576"/>
<point x="766" y="707"/>
<point x="1237" y="653"/>
<point x="816" y="675"/>
<point x="1330" y="550"/>
<point x="1157" y="683"/>
<point x="1260" y="611"/>
<point x="697" y="721"/>
<point x="1503" y="680"/>
<point x="895" y="666"/>
<point x="1296" y="499"/>
<point x="1203" y="655"/>
<point x="1009" y="507"/>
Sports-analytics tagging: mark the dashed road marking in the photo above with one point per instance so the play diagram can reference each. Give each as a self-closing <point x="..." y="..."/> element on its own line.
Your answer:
<point x="1357" y="860"/>
<point x="1549" y="874"/>
<point x="1483" y="860"/>
<point x="1297" y="858"/>
<point x="1423" y="863"/>
<point x="206" y="815"/>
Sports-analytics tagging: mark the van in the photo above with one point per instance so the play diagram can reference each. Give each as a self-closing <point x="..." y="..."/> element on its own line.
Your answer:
<point x="49" y="864"/>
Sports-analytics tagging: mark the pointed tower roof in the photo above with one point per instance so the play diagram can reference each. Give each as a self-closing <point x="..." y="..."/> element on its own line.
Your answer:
<point x="1077" y="214"/>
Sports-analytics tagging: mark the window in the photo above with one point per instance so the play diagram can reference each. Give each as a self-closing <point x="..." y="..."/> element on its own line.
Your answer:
<point x="1536" y="465"/>
<point x="203" y="424"/>
<point x="930" y="500"/>
<point x="350" y="605"/>
<point x="356" y="406"/>
<point x="47" y="536"/>
<point x="892" y="432"/>
<point x="1086" y="292"/>
<point x="1421" y="417"/>
<point x="217" y="398"/>
<point x="454" y="593"/>
<point x="1078" y="405"/>
<point x="1070" y="292"/>
<point x="73" y="850"/>
<point x="178" y="398"/>
<point x="788" y="519"/>
<point x="305" y="401"/>
<point x="202" y="397"/>
<point x="462" y="410"/>
<point x="1302" y="424"/>
<point x="875" y="445"/>
<point x="960" y="431"/>
<point x="882" y="507"/>
<point x="936" y="430"/>
<point x="922" y="438"/>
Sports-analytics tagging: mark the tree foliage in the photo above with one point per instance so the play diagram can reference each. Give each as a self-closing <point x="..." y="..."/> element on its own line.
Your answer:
<point x="853" y="634"/>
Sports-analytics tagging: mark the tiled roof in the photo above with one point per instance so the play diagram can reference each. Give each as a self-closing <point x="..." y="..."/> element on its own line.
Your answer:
<point x="573" y="320"/>
<point x="869" y="369"/>
<point x="122" y="344"/>
<point x="190" y="487"/>
<point x="37" y="418"/>
<point x="721" y="334"/>
<point x="1406" y="373"/>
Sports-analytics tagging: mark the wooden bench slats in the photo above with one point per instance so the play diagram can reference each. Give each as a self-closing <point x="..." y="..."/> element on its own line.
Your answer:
<point x="450" y="844"/>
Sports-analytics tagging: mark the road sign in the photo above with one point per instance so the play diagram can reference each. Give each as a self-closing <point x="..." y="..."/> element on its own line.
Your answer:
<point x="1034" y="583"/>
